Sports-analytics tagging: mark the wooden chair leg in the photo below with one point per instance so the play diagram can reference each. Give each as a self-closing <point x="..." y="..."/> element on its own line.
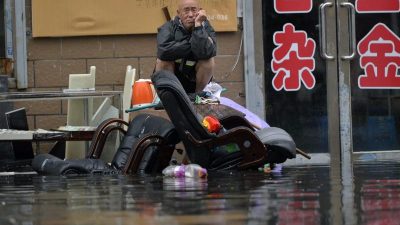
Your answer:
<point x="305" y="155"/>
<point x="139" y="149"/>
<point x="100" y="145"/>
<point x="99" y="134"/>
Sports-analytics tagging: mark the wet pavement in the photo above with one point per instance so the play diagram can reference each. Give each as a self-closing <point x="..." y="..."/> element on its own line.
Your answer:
<point x="298" y="195"/>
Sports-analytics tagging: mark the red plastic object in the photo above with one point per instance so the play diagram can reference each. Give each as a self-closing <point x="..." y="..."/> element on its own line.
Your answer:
<point x="212" y="124"/>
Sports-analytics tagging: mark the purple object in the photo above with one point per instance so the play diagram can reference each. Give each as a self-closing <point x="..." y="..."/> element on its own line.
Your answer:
<point x="277" y="168"/>
<point x="179" y="171"/>
<point x="250" y="116"/>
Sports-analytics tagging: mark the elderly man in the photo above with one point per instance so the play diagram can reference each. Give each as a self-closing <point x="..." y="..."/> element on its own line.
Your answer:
<point x="187" y="46"/>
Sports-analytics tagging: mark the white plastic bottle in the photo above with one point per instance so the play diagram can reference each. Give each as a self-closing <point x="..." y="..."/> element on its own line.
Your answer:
<point x="190" y="170"/>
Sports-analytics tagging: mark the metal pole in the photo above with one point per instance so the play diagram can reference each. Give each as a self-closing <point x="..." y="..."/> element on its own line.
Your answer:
<point x="21" y="66"/>
<point x="8" y="29"/>
<point x="254" y="57"/>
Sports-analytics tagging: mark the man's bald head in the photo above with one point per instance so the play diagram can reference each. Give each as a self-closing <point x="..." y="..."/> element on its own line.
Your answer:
<point x="182" y="3"/>
<point x="187" y="12"/>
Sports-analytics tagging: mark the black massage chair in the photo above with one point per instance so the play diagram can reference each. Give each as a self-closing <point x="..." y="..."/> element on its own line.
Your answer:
<point x="254" y="148"/>
<point x="146" y="147"/>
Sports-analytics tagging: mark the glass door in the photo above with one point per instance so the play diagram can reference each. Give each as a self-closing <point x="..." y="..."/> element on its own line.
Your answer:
<point x="301" y="72"/>
<point x="333" y="74"/>
<point x="374" y="73"/>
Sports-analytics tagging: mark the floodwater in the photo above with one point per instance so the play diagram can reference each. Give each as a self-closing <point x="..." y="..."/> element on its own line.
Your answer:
<point x="298" y="195"/>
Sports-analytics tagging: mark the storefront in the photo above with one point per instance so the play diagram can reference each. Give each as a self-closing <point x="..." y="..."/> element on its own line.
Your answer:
<point x="331" y="72"/>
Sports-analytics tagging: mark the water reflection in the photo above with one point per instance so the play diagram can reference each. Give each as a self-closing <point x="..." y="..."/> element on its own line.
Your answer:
<point x="379" y="199"/>
<point x="298" y="195"/>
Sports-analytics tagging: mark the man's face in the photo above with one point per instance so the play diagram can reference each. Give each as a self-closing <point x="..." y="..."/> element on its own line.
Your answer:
<point x="187" y="12"/>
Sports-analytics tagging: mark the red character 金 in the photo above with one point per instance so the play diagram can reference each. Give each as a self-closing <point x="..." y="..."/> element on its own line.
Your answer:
<point x="377" y="6"/>
<point x="380" y="59"/>
<point x="293" y="60"/>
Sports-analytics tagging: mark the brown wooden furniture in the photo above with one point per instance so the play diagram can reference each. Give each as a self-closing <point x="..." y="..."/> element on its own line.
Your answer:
<point x="139" y="148"/>
<point x="201" y="145"/>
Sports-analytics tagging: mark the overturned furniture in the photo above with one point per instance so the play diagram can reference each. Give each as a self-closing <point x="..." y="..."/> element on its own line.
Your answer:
<point x="238" y="147"/>
<point x="147" y="147"/>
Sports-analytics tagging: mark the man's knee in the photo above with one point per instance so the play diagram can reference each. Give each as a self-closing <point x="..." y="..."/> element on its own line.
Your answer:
<point x="165" y="65"/>
<point x="208" y="64"/>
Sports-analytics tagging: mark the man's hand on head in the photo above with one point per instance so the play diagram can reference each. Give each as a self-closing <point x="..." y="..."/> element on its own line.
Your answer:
<point x="200" y="18"/>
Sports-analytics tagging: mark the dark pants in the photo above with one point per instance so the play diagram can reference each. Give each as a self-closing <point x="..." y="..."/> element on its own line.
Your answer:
<point x="187" y="76"/>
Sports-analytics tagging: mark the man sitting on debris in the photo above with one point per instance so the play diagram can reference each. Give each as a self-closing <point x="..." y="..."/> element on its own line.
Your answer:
<point x="186" y="46"/>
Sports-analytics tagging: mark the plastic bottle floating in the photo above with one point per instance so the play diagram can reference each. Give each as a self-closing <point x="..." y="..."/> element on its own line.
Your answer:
<point x="265" y="169"/>
<point x="276" y="168"/>
<point x="190" y="170"/>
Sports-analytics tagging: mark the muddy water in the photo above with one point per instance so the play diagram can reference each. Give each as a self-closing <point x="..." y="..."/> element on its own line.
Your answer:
<point x="299" y="195"/>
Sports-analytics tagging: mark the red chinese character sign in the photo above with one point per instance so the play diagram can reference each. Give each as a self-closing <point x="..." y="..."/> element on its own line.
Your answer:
<point x="293" y="59"/>
<point x="377" y="6"/>
<point x="380" y="58"/>
<point x="293" y="6"/>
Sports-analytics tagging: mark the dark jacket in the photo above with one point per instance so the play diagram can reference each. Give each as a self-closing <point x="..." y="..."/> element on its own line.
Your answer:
<point x="175" y="42"/>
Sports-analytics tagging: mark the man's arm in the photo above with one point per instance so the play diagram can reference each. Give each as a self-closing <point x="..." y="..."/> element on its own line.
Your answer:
<point x="203" y="41"/>
<point x="169" y="49"/>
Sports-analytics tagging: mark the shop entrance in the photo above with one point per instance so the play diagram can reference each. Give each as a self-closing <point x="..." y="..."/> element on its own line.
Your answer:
<point x="332" y="75"/>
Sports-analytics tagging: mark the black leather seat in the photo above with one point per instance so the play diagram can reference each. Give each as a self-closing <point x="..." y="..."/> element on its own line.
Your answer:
<point x="147" y="147"/>
<point x="238" y="147"/>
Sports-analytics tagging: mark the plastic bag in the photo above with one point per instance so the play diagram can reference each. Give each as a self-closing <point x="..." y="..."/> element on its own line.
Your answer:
<point x="215" y="89"/>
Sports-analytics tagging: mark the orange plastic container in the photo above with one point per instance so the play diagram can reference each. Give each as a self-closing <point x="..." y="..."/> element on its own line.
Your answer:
<point x="142" y="92"/>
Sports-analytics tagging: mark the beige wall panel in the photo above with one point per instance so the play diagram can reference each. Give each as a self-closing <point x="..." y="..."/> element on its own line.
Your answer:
<point x="50" y="122"/>
<point x="55" y="73"/>
<point x="87" y="47"/>
<point x="118" y="88"/>
<point x="64" y="107"/>
<point x="146" y="67"/>
<point x="44" y="147"/>
<point x="40" y="107"/>
<point x="37" y="89"/>
<point x="44" y="48"/>
<point x="112" y="71"/>
<point x="31" y="122"/>
<point x="107" y="87"/>
<point x="223" y="70"/>
<point x="135" y="45"/>
<point x="31" y="75"/>
<point x="228" y="43"/>
<point x="28" y="14"/>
